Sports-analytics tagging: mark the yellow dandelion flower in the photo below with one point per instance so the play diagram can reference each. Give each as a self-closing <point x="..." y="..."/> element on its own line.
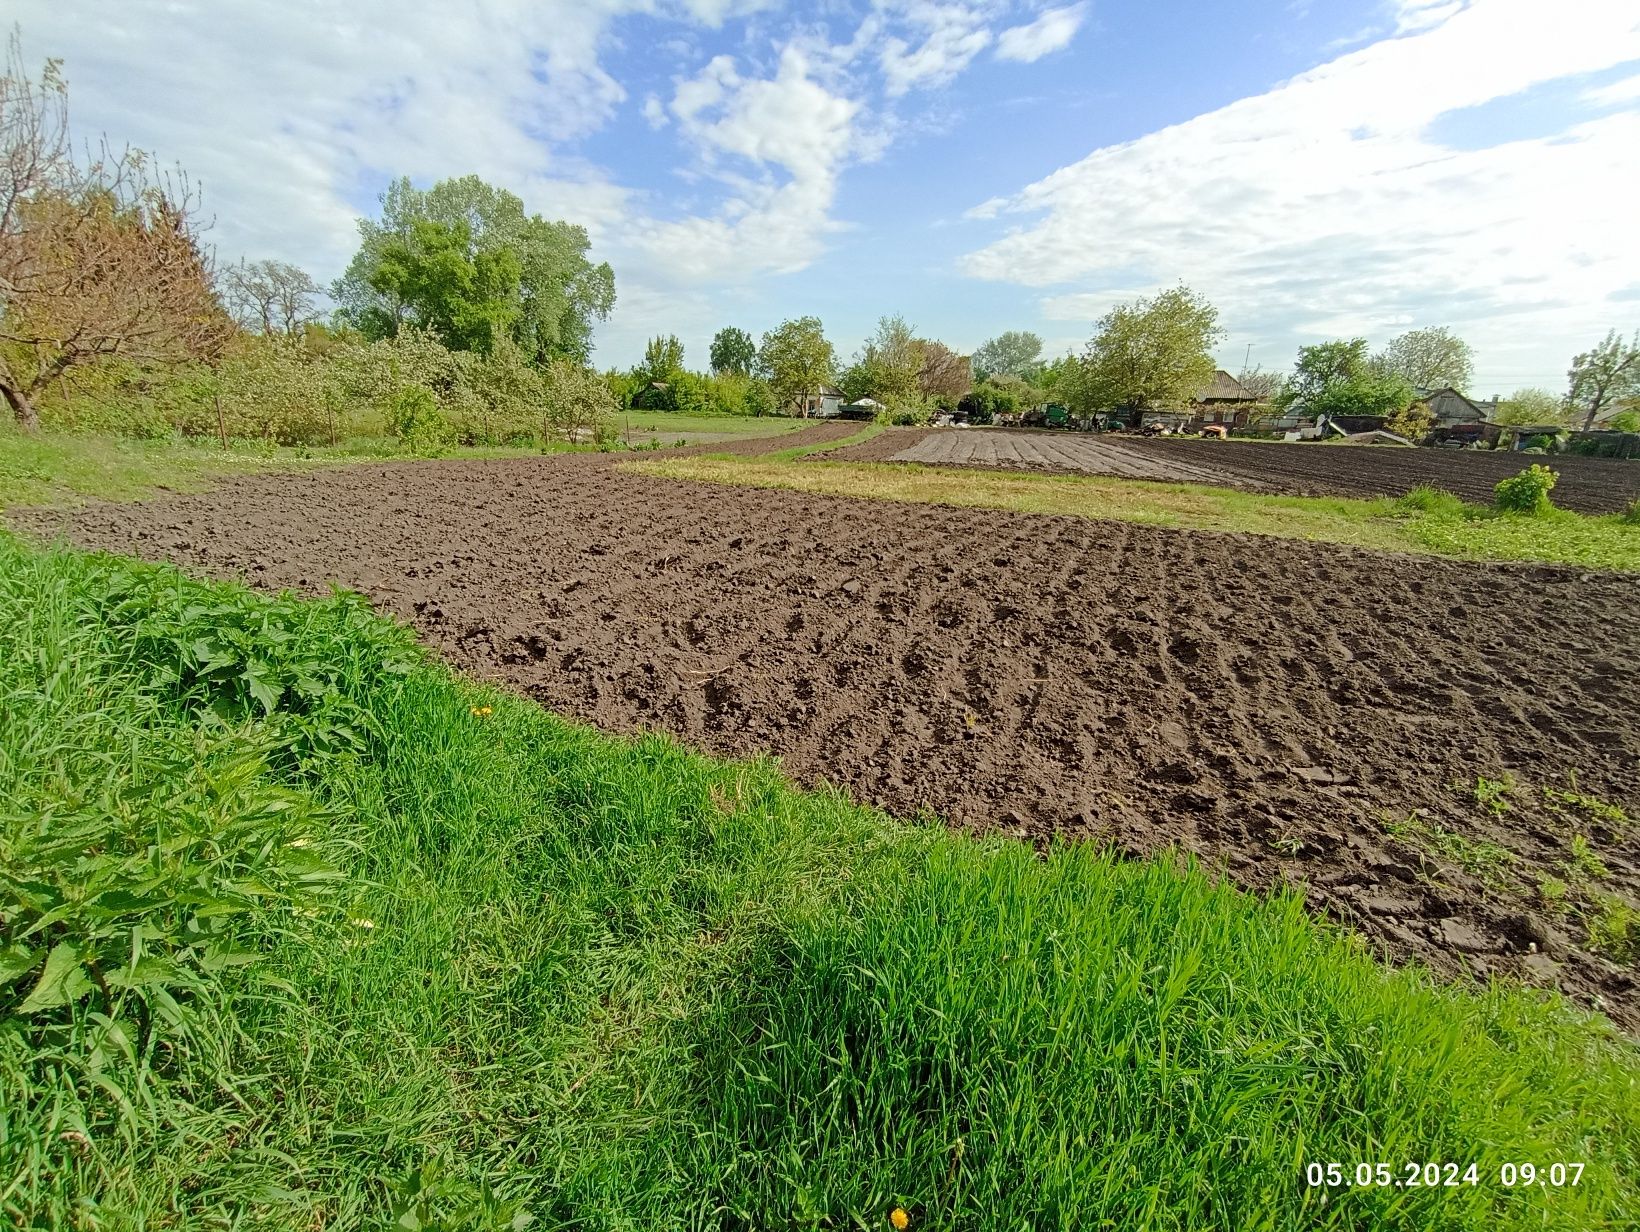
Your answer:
<point x="364" y="924"/>
<point x="899" y="1218"/>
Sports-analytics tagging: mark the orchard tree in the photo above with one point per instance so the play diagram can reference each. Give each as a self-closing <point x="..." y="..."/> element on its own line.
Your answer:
<point x="1428" y="358"/>
<point x="560" y="292"/>
<point x="1604" y="376"/>
<point x="1526" y="407"/>
<point x="797" y="359"/>
<point x="1014" y="353"/>
<point x="575" y="401"/>
<point x="1151" y="353"/>
<point x="733" y="351"/>
<point x="271" y="297"/>
<point x="97" y="262"/>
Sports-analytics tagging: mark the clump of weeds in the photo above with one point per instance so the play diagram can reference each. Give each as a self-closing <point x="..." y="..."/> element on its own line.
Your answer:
<point x="1481" y="859"/>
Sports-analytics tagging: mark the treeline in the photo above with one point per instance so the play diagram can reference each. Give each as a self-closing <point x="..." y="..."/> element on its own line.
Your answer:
<point x="1156" y="354"/>
<point x="462" y="318"/>
<point x="909" y="378"/>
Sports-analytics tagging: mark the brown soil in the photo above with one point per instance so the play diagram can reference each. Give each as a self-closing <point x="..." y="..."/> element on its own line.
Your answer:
<point x="1266" y="705"/>
<point x="1588" y="485"/>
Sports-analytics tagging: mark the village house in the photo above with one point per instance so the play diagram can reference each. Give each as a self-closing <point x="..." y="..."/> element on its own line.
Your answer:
<point x="1452" y="410"/>
<point x="1225" y="401"/>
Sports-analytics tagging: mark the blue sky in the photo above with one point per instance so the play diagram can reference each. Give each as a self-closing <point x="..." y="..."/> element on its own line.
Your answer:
<point x="1318" y="169"/>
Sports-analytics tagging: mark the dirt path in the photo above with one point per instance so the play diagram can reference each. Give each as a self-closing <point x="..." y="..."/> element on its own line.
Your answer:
<point x="1588" y="485"/>
<point x="1267" y="705"/>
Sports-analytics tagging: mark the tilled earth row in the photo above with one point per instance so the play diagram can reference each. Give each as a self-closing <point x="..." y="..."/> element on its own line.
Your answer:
<point x="1291" y="711"/>
<point x="1587" y="485"/>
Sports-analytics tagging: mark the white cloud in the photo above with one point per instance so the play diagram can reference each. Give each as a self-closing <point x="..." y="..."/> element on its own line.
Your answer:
<point x="292" y="119"/>
<point x="283" y="117"/>
<point x="1048" y="33"/>
<point x="1413" y="15"/>
<point x="1616" y="94"/>
<point x="795" y="134"/>
<point x="1325" y="207"/>
<point x="955" y="34"/>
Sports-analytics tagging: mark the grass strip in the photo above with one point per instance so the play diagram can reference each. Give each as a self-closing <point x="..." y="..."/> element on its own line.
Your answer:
<point x="57" y="468"/>
<point x="1439" y="527"/>
<point x="300" y="930"/>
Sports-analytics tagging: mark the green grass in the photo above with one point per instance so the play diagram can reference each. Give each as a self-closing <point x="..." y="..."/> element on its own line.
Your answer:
<point x="1424" y="521"/>
<point x="335" y="946"/>
<point x="54" y="468"/>
<point x="667" y="426"/>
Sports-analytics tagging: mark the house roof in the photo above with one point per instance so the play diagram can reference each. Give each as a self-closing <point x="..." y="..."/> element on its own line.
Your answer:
<point x="1225" y="388"/>
<point x="829" y="391"/>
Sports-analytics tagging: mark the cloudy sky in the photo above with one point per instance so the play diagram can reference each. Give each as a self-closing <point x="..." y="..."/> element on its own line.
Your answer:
<point x="1318" y="168"/>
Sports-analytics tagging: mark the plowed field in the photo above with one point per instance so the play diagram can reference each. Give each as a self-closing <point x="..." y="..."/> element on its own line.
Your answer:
<point x="1290" y="710"/>
<point x="1588" y="485"/>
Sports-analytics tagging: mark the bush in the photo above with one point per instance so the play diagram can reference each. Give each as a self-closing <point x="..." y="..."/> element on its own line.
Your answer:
<point x="906" y="411"/>
<point x="414" y="417"/>
<point x="1631" y="515"/>
<point x="1527" y="492"/>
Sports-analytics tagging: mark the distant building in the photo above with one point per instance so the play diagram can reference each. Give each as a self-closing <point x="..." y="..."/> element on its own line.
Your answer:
<point x="825" y="403"/>
<point x="1224" y="401"/>
<point x="1452" y="410"/>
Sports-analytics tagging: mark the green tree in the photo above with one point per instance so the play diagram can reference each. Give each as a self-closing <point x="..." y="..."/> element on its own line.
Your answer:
<point x="438" y="281"/>
<point x="1150" y="353"/>
<point x="1530" y="406"/>
<point x="1428" y="358"/>
<point x="561" y="292"/>
<point x="1336" y="378"/>
<point x="1322" y="366"/>
<point x="1604" y="376"/>
<point x="797" y="359"/>
<point x="1016" y="352"/>
<point x="662" y="357"/>
<point x="886" y="367"/>
<point x="733" y="351"/>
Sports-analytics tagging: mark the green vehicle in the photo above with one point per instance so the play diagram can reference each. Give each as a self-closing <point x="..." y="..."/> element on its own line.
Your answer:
<point x="1057" y="416"/>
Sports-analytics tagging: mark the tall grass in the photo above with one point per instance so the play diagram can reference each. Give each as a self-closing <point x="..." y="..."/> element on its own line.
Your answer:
<point x="486" y="966"/>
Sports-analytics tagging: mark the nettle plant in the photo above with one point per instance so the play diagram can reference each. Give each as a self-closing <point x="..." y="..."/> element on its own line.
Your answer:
<point x="155" y="834"/>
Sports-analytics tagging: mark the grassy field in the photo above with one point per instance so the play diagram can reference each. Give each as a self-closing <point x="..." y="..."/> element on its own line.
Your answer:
<point x="668" y="427"/>
<point x="48" y="468"/>
<point x="298" y="931"/>
<point x="1438" y="526"/>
